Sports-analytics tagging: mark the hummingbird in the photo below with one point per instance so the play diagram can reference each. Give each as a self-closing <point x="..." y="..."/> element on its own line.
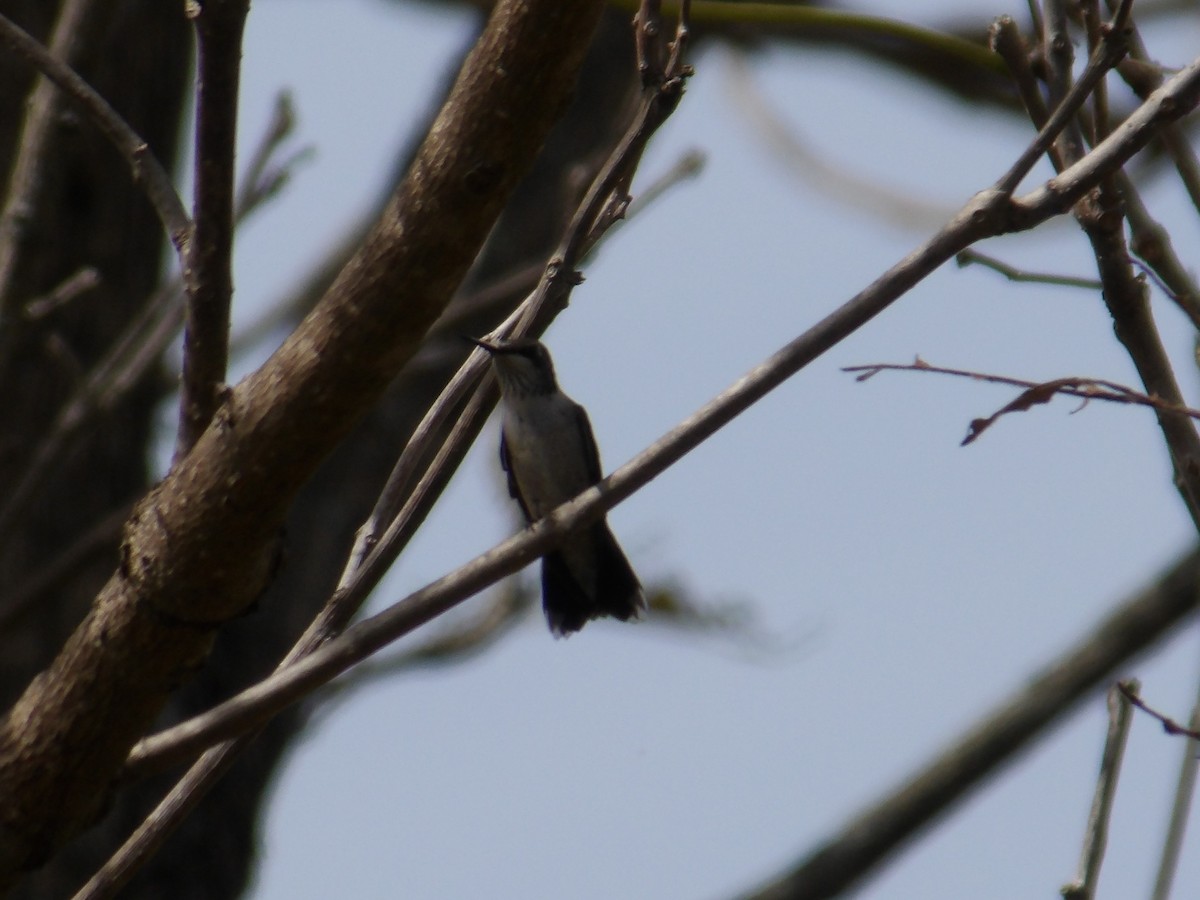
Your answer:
<point x="548" y="452"/>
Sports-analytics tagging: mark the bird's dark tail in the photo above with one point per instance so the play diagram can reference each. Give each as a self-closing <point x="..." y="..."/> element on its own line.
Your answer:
<point x="571" y="596"/>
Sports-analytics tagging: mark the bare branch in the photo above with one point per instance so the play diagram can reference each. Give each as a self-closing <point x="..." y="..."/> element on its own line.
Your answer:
<point x="1125" y="295"/>
<point x="1058" y="54"/>
<point x="69" y="290"/>
<point x="1151" y="242"/>
<point x="264" y="176"/>
<point x="1170" y="726"/>
<point x="969" y="256"/>
<point x="1096" y="837"/>
<point x="207" y="267"/>
<point x="1100" y="124"/>
<point x="1005" y="38"/>
<point x="1034" y="393"/>
<point x="505" y="609"/>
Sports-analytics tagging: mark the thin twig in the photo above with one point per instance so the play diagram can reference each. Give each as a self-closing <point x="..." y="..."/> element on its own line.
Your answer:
<point x="1096" y="835"/>
<point x="1058" y="53"/>
<point x="1034" y="393"/>
<point x="504" y="610"/>
<point x="264" y="176"/>
<point x="689" y="165"/>
<point x="125" y="363"/>
<point x="207" y="266"/>
<point x="1125" y="296"/>
<point x="1006" y="40"/>
<point x="1169" y="725"/>
<point x="972" y="256"/>
<point x="906" y="210"/>
<point x="1149" y="240"/>
<point x="1035" y="16"/>
<point x="75" y="286"/>
<point x="664" y="89"/>
<point x="1100" y="127"/>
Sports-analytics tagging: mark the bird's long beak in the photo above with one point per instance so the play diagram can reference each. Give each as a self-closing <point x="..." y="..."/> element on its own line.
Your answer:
<point x="489" y="347"/>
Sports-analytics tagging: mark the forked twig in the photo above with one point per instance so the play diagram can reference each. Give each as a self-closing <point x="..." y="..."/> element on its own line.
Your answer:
<point x="1034" y="393"/>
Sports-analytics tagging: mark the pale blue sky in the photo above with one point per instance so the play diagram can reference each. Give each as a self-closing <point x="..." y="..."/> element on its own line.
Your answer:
<point x="918" y="581"/>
